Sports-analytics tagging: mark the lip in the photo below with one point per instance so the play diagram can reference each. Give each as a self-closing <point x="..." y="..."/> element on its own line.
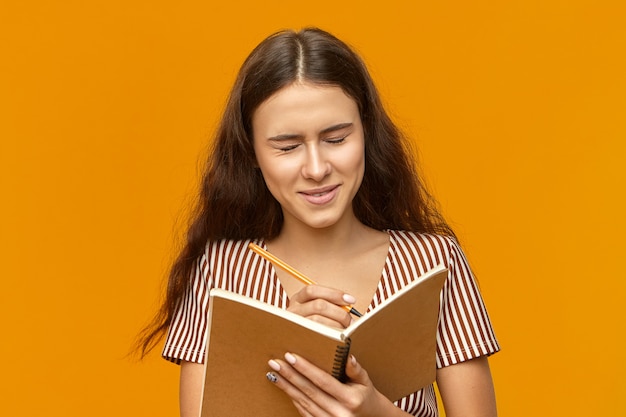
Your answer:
<point x="320" y="196"/>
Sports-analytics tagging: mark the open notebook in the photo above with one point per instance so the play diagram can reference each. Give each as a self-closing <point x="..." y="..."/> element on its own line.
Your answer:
<point x="395" y="343"/>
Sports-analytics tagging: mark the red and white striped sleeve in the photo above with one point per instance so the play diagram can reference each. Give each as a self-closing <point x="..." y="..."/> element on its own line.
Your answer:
<point x="186" y="336"/>
<point x="465" y="330"/>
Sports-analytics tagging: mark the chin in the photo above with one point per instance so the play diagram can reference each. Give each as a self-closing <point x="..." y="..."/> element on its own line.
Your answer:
<point x="319" y="220"/>
<point x="324" y="223"/>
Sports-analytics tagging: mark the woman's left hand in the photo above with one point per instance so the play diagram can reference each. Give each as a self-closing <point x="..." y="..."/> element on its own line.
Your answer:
<point x="315" y="393"/>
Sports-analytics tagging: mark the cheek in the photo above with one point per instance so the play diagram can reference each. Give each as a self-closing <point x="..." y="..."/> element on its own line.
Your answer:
<point x="359" y="165"/>
<point x="355" y="159"/>
<point x="275" y="174"/>
<point x="263" y="163"/>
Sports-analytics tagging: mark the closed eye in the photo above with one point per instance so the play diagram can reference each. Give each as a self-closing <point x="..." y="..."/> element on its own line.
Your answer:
<point x="337" y="140"/>
<point x="288" y="148"/>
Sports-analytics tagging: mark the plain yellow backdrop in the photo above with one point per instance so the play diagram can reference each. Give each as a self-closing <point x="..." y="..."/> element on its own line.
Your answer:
<point x="518" y="109"/>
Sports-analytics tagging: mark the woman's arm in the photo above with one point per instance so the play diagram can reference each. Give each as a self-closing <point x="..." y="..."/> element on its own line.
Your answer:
<point x="467" y="389"/>
<point x="191" y="379"/>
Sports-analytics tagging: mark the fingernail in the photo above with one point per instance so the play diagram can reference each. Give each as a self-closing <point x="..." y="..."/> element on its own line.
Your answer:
<point x="349" y="299"/>
<point x="274" y="365"/>
<point x="271" y="377"/>
<point x="352" y="360"/>
<point x="290" y="358"/>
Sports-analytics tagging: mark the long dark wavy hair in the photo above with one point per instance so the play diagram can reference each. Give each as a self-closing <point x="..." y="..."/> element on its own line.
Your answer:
<point x="391" y="196"/>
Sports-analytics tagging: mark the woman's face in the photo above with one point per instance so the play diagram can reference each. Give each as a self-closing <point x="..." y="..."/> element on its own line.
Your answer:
<point x="309" y="145"/>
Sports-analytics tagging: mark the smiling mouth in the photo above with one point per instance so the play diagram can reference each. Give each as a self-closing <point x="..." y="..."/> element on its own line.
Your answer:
<point x="321" y="196"/>
<point x="321" y="191"/>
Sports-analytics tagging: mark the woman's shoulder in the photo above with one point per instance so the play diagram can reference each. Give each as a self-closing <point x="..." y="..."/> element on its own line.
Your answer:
<point x="228" y="247"/>
<point x="421" y="239"/>
<point x="424" y="247"/>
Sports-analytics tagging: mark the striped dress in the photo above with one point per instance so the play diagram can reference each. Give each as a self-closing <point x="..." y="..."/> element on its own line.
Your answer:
<point x="464" y="330"/>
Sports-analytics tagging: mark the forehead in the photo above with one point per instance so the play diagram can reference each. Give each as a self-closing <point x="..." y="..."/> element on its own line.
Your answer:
<point x="304" y="106"/>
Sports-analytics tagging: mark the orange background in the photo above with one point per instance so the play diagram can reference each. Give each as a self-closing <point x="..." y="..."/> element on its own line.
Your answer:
<point x="518" y="110"/>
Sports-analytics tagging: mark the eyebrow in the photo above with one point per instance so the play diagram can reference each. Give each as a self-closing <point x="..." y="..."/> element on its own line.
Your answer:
<point x="291" y="136"/>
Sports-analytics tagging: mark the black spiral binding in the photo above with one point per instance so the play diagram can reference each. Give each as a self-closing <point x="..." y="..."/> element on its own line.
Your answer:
<point x="341" y="357"/>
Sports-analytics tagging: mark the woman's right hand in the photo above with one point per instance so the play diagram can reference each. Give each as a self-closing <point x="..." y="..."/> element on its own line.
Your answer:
<point x="322" y="304"/>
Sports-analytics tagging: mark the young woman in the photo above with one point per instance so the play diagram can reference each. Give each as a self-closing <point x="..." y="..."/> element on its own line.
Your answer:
<point x="307" y="164"/>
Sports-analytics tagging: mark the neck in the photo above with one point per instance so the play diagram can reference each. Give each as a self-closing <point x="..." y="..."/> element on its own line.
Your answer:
<point x="299" y="238"/>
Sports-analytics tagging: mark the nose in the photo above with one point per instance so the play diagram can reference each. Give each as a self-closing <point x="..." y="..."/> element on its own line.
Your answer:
<point x="315" y="167"/>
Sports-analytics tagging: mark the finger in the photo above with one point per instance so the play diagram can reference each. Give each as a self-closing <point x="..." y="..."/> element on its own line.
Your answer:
<point x="305" y="413"/>
<point x="305" y="396"/>
<point x="323" y="312"/>
<point x="304" y="406"/>
<point x="352" y="398"/>
<point x="332" y="295"/>
<point x="356" y="373"/>
<point x="324" y="389"/>
<point x="338" y="319"/>
<point x="310" y="302"/>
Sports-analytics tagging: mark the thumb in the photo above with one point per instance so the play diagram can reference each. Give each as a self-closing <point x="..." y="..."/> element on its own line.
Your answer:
<point x="356" y="372"/>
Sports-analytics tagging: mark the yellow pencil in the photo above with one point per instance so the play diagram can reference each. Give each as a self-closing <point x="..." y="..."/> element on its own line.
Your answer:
<point x="292" y="271"/>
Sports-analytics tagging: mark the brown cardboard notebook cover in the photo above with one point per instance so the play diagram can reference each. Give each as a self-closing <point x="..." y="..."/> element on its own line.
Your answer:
<point x="395" y="343"/>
